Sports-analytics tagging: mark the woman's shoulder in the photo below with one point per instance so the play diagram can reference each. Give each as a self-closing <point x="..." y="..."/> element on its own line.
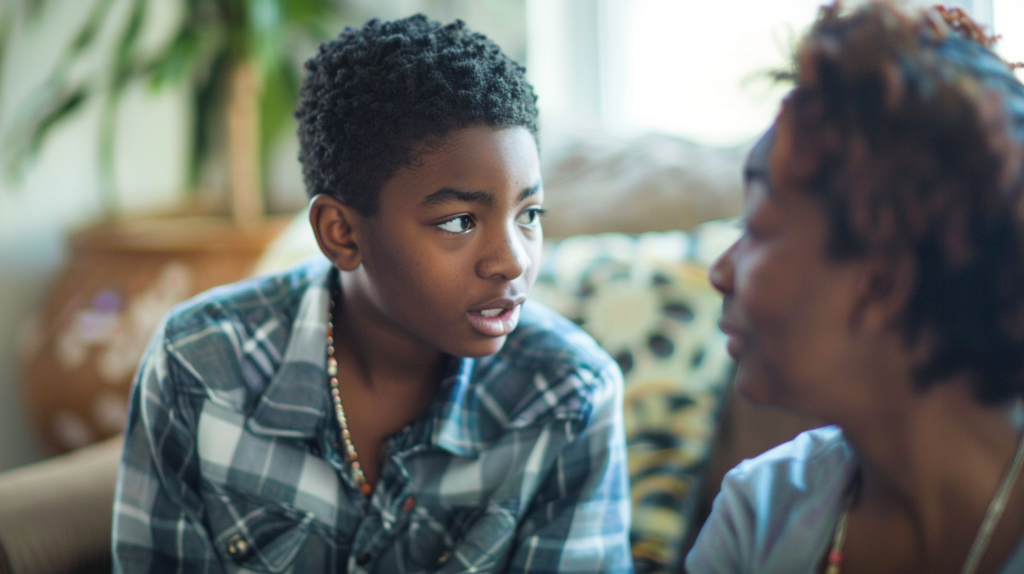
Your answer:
<point x="814" y="457"/>
<point x="775" y="512"/>
<point x="812" y="470"/>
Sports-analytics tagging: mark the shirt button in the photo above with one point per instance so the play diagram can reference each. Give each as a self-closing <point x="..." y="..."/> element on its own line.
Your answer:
<point x="363" y="558"/>
<point x="238" y="548"/>
<point x="444" y="558"/>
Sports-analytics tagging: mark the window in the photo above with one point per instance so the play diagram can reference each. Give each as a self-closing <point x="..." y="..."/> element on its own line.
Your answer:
<point x="693" y="68"/>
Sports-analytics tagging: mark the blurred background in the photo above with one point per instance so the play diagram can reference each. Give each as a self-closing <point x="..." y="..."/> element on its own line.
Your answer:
<point x="114" y="111"/>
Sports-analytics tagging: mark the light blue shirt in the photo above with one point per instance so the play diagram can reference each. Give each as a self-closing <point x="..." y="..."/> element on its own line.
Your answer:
<point x="776" y="513"/>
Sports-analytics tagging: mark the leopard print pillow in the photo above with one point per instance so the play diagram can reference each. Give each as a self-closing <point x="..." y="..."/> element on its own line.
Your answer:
<point x="647" y="300"/>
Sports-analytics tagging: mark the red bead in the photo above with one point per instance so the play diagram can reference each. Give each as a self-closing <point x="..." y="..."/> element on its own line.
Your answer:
<point x="835" y="557"/>
<point x="410" y="503"/>
<point x="367" y="489"/>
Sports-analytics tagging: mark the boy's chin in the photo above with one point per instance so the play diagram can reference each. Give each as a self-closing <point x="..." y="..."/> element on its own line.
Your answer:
<point x="480" y="347"/>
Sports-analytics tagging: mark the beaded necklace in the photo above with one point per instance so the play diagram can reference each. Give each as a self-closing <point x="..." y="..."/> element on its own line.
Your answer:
<point x="351" y="457"/>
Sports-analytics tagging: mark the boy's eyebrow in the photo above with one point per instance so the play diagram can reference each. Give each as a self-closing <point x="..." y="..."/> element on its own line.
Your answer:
<point x="528" y="192"/>
<point x="447" y="194"/>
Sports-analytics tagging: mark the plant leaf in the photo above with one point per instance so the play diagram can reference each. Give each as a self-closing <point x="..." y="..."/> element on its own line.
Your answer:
<point x="308" y="11"/>
<point x="280" y="94"/>
<point x="54" y="88"/>
<point x="5" y="38"/>
<point x="34" y="8"/>
<point x="27" y="141"/>
<point x="174" y="64"/>
<point x="107" y="182"/>
<point x="88" y="32"/>
<point x="64" y="107"/>
<point x="126" y="68"/>
<point x="125" y="61"/>
<point x="316" y="20"/>
<point x="215" y="35"/>
<point x="209" y="97"/>
<point x="266" y="34"/>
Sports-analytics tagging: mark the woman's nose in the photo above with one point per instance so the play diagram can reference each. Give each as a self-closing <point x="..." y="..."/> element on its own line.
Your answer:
<point x="722" y="271"/>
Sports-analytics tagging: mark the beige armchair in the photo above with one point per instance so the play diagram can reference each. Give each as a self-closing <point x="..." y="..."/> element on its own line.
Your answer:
<point x="55" y="515"/>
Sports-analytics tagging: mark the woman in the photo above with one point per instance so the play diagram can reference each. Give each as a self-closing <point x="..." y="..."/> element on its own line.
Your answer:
<point x="879" y="285"/>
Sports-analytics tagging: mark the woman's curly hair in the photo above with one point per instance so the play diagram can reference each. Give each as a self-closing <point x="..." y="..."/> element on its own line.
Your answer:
<point x="909" y="130"/>
<point x="375" y="93"/>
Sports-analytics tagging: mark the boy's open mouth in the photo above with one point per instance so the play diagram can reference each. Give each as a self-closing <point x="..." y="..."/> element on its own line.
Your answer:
<point x="495" y="319"/>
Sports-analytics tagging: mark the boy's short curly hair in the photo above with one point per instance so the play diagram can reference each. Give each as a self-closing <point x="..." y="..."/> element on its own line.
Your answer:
<point x="375" y="93"/>
<point x="909" y="132"/>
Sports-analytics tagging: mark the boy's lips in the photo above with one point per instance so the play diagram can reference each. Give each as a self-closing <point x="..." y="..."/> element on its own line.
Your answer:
<point x="496" y="318"/>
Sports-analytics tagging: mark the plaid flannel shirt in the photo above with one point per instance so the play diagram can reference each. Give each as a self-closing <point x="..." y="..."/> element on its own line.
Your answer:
<point x="231" y="461"/>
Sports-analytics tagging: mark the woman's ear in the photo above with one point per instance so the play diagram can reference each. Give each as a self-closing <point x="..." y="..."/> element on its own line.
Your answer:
<point x="336" y="227"/>
<point x="886" y="289"/>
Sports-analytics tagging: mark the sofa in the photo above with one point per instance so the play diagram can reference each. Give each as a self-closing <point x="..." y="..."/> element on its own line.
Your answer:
<point x="645" y="297"/>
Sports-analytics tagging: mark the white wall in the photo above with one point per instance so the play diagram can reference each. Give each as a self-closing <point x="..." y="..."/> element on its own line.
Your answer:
<point x="59" y="192"/>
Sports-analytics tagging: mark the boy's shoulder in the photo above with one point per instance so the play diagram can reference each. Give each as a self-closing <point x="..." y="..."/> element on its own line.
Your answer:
<point x="549" y="339"/>
<point x="230" y="342"/>
<point x="549" y="368"/>
<point x="273" y="298"/>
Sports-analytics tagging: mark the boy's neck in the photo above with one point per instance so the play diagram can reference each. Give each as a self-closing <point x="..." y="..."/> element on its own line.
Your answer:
<point x="381" y="351"/>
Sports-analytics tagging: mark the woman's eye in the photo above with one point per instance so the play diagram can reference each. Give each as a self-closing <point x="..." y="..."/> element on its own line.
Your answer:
<point x="530" y="217"/>
<point x="457" y="224"/>
<point x="750" y="229"/>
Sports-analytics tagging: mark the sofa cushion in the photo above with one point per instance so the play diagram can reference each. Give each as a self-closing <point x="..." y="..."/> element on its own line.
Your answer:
<point x="597" y="182"/>
<point x="647" y="300"/>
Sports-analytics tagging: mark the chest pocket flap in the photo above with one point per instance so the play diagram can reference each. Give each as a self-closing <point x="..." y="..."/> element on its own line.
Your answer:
<point x="461" y="539"/>
<point x="267" y="539"/>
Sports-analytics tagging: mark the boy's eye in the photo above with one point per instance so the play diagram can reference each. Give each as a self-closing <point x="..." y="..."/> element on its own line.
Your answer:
<point x="530" y="217"/>
<point x="457" y="224"/>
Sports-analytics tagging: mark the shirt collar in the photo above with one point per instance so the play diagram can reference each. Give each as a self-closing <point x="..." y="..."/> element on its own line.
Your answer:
<point x="453" y="425"/>
<point x="295" y="401"/>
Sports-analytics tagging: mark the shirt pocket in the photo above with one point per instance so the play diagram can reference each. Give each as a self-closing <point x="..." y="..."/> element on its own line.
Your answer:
<point x="457" y="539"/>
<point x="252" y="535"/>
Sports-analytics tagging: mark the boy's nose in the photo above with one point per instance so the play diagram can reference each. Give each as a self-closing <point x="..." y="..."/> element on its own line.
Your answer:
<point x="508" y="259"/>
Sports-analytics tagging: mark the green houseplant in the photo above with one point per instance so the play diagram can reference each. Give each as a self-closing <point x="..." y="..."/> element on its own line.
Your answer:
<point x="237" y="61"/>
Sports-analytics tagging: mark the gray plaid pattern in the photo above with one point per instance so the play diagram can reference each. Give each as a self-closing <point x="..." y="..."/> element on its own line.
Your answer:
<point x="231" y="459"/>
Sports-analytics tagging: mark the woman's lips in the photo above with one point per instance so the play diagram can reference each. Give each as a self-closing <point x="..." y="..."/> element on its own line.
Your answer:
<point x="495" y="326"/>
<point x="734" y="345"/>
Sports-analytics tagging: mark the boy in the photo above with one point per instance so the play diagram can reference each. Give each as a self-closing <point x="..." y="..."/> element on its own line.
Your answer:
<point x="397" y="408"/>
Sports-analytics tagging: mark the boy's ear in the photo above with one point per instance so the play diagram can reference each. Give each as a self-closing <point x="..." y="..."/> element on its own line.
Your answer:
<point x="336" y="227"/>
<point x="887" y="286"/>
